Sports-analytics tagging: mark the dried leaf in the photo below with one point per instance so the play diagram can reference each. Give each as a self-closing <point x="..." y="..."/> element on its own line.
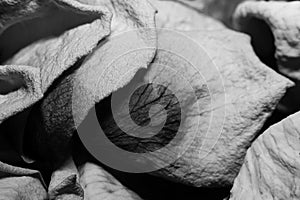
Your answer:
<point x="98" y="76"/>
<point x="99" y="184"/>
<point x="271" y="169"/>
<point x="224" y="127"/>
<point x="65" y="182"/>
<point x="258" y="18"/>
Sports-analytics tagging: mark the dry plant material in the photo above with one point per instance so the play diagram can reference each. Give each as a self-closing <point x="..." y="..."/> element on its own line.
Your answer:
<point x="252" y="91"/>
<point x="176" y="16"/>
<point x="25" y="188"/>
<point x="54" y="121"/>
<point x="278" y="21"/>
<point x="218" y="9"/>
<point x="99" y="184"/>
<point x="64" y="183"/>
<point x="49" y="57"/>
<point x="44" y="60"/>
<point x="20" y="183"/>
<point x="20" y="88"/>
<point x="271" y="169"/>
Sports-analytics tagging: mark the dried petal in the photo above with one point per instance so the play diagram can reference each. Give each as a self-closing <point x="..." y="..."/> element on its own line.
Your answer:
<point x="13" y="11"/>
<point x="99" y="184"/>
<point x="176" y="16"/>
<point x="65" y="182"/>
<point x="51" y="56"/>
<point x="56" y="54"/>
<point x="96" y="78"/>
<point x="216" y="153"/>
<point x="220" y="10"/>
<point x="16" y="182"/>
<point x="20" y="88"/>
<point x="271" y="169"/>
<point x="258" y="18"/>
<point x="25" y="188"/>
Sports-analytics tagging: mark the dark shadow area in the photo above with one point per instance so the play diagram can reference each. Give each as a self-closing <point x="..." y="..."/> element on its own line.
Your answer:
<point x="53" y="23"/>
<point x="10" y="83"/>
<point x="262" y="40"/>
<point x="263" y="43"/>
<point x="149" y="187"/>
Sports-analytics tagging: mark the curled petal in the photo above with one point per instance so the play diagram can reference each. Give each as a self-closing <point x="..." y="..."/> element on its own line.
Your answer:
<point x="70" y="100"/>
<point x="65" y="182"/>
<point x="274" y="27"/>
<point x="99" y="184"/>
<point x="179" y="17"/>
<point x="195" y="112"/>
<point x="271" y="169"/>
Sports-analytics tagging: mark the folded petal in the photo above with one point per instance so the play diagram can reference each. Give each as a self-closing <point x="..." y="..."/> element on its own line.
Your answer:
<point x="271" y="169"/>
<point x="99" y="184"/>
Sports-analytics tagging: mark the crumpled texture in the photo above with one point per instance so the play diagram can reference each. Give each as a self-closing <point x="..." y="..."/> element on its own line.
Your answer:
<point x="65" y="72"/>
<point x="17" y="182"/>
<point x="20" y="88"/>
<point x="251" y="89"/>
<point x="99" y="184"/>
<point x="25" y="188"/>
<point x="176" y="16"/>
<point x="64" y="182"/>
<point x="218" y="9"/>
<point x="283" y="19"/>
<point x="22" y="85"/>
<point x="54" y="120"/>
<point x="271" y="169"/>
<point x="13" y="11"/>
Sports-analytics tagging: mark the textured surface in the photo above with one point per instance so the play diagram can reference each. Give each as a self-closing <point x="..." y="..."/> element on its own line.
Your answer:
<point x="20" y="183"/>
<point x="25" y="188"/>
<point x="13" y="11"/>
<point x="20" y="88"/>
<point x="251" y="92"/>
<point x="64" y="183"/>
<point x="272" y="166"/>
<point x="71" y="97"/>
<point x="22" y="85"/>
<point x="283" y="19"/>
<point x="176" y="16"/>
<point x="100" y="185"/>
<point x="218" y="9"/>
<point x="45" y="60"/>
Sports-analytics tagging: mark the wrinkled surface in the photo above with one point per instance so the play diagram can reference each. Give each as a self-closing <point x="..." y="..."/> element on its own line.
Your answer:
<point x="50" y="57"/>
<point x="64" y="182"/>
<point x="283" y="20"/>
<point x="252" y="91"/>
<point x="54" y="120"/>
<point x="22" y="85"/>
<point x="20" y="88"/>
<point x="100" y="185"/>
<point x="176" y="16"/>
<point x="56" y="54"/>
<point x="219" y="9"/>
<point x="20" y="183"/>
<point x="271" y="169"/>
<point x="25" y="188"/>
<point x="13" y="11"/>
